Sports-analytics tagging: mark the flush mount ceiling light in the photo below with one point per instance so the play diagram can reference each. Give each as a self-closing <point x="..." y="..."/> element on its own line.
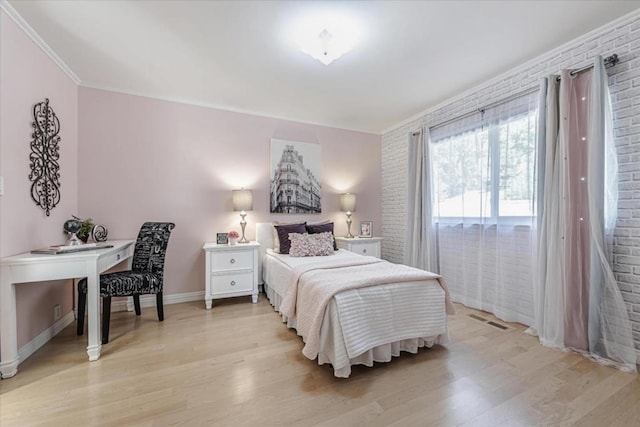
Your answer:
<point x="326" y="37"/>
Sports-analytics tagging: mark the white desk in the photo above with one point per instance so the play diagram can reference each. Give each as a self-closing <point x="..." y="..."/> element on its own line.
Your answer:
<point x="27" y="267"/>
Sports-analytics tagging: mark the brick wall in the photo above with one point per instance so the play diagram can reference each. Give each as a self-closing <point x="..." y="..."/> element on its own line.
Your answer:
<point x="621" y="37"/>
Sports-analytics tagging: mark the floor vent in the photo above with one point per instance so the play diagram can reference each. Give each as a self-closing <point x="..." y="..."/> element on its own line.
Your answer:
<point x="497" y="325"/>
<point x="488" y="322"/>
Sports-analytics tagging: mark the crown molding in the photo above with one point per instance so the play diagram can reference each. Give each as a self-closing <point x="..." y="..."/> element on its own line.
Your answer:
<point x="619" y="22"/>
<point x="212" y="106"/>
<point x="33" y="35"/>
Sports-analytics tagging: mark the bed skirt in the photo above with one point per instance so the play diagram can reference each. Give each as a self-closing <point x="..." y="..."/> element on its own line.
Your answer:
<point x="333" y="350"/>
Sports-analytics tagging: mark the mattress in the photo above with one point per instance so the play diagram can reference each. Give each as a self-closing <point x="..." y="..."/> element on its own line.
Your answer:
<point x="276" y="267"/>
<point x="375" y="303"/>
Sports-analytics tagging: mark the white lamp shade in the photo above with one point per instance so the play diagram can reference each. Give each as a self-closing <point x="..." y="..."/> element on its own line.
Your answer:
<point x="348" y="202"/>
<point x="242" y="200"/>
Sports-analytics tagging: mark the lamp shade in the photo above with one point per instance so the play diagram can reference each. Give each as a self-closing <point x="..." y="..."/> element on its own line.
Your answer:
<point x="348" y="202"/>
<point x="242" y="200"/>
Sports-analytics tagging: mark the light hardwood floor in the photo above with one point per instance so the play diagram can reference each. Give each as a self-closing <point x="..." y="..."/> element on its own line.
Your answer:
<point x="239" y="365"/>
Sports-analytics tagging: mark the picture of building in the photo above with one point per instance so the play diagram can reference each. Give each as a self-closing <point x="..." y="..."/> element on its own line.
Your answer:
<point x="296" y="182"/>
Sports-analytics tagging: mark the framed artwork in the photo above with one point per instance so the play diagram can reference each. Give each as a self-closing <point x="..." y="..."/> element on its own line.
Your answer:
<point x="366" y="228"/>
<point x="295" y="182"/>
<point x="222" y="239"/>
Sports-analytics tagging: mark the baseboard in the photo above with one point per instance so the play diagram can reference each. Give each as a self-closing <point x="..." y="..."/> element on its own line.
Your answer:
<point x="125" y="305"/>
<point x="150" y="300"/>
<point x="32" y="346"/>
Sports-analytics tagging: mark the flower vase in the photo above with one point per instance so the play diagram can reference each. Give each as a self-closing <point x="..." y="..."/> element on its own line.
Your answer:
<point x="233" y="241"/>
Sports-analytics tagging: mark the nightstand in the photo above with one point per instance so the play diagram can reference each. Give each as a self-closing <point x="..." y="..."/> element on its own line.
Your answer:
<point x="231" y="271"/>
<point x="369" y="246"/>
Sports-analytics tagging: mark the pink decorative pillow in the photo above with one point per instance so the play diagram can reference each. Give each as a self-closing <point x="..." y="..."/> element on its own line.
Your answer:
<point x="319" y="244"/>
<point x="322" y="227"/>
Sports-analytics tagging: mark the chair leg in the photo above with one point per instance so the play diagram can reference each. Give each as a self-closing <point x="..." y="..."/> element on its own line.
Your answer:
<point x="136" y="303"/>
<point x="82" y="306"/>
<point x="159" y="306"/>
<point x="106" y="318"/>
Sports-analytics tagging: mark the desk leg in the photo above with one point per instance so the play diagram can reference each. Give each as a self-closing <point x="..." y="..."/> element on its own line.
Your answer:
<point x="93" y="311"/>
<point x="8" y="332"/>
<point x="75" y="298"/>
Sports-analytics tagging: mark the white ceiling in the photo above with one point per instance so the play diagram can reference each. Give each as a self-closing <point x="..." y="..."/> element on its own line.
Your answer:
<point x="236" y="55"/>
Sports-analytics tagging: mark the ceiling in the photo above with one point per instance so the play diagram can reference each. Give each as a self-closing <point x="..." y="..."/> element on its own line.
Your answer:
<point x="238" y="55"/>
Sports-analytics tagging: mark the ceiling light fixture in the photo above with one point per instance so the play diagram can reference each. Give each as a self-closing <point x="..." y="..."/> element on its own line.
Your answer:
<point x="325" y="48"/>
<point x="326" y="37"/>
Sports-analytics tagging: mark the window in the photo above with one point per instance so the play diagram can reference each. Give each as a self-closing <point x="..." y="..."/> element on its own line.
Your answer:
<point x="461" y="166"/>
<point x="517" y="147"/>
<point x="484" y="168"/>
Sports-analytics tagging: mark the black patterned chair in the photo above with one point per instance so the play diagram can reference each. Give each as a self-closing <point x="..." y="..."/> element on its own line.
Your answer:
<point x="145" y="277"/>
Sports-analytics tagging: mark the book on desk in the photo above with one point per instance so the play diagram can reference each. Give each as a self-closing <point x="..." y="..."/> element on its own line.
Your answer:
<point x="66" y="249"/>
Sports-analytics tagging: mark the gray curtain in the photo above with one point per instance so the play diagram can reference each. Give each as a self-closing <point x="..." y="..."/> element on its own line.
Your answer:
<point x="578" y="305"/>
<point x="420" y="241"/>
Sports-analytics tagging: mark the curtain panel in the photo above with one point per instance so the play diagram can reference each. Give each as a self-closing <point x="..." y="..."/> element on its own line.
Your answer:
<point x="484" y="169"/>
<point x="578" y="305"/>
<point x="420" y="239"/>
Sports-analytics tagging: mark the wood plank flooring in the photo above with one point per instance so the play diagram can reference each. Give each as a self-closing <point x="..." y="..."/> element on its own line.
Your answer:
<point x="238" y="365"/>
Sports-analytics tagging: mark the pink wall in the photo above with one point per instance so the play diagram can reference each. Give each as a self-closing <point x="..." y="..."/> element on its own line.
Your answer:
<point x="28" y="76"/>
<point x="143" y="159"/>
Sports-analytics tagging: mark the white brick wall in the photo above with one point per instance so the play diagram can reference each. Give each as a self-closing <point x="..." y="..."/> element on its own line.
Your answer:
<point x="621" y="37"/>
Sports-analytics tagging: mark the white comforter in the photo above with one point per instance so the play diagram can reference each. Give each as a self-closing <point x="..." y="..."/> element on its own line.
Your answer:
<point x="405" y="304"/>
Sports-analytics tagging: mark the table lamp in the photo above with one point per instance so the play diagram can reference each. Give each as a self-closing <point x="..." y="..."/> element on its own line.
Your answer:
<point x="348" y="205"/>
<point x="242" y="202"/>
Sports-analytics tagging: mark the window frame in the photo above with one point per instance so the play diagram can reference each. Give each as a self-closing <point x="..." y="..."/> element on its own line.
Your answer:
<point x="493" y="137"/>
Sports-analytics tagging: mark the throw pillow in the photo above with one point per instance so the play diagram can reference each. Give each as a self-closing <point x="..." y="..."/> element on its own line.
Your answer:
<point x="323" y="227"/>
<point x="276" y="239"/>
<point x="319" y="244"/>
<point x="283" y="235"/>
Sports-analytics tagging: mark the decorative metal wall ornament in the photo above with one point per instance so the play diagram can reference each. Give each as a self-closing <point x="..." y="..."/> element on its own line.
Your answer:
<point x="45" y="152"/>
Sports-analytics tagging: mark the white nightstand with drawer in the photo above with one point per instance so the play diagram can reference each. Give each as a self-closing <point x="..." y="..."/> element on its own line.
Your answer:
<point x="369" y="246"/>
<point x="231" y="271"/>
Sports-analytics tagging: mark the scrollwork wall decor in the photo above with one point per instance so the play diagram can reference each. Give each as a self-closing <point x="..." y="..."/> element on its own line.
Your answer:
<point x="44" y="156"/>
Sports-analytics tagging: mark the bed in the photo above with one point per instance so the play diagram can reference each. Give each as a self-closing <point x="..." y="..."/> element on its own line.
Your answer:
<point x="366" y="320"/>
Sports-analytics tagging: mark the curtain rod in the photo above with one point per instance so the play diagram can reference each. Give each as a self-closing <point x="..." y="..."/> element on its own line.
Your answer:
<point x="493" y="104"/>
<point x="609" y="62"/>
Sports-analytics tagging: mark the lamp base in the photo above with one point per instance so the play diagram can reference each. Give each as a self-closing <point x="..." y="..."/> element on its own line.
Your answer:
<point x="243" y="224"/>
<point x="349" y="235"/>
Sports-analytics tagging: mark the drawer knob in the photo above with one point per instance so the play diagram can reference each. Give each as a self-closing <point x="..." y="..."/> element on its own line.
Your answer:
<point x="233" y="261"/>
<point x="233" y="283"/>
<point x="364" y="251"/>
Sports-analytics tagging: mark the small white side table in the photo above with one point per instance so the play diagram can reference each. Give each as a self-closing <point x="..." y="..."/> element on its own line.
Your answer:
<point x="370" y="246"/>
<point x="231" y="271"/>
